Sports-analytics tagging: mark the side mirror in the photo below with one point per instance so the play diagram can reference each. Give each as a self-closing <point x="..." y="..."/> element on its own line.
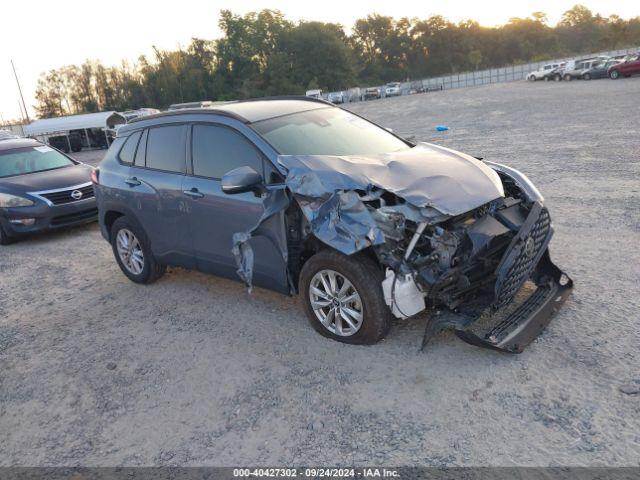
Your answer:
<point x="242" y="179"/>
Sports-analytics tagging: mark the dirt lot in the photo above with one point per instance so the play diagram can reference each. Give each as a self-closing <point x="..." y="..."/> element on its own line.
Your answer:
<point x="95" y="370"/>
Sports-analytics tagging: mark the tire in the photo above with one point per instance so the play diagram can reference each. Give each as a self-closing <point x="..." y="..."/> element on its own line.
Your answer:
<point x="532" y="78"/>
<point x="614" y="74"/>
<point x="546" y="79"/>
<point x="365" y="276"/>
<point x="151" y="270"/>
<point x="586" y="76"/>
<point x="4" y="238"/>
<point x="557" y="77"/>
<point x="568" y="78"/>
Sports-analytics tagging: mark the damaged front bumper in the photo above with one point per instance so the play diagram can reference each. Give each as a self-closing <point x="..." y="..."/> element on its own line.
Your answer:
<point x="512" y="327"/>
<point x="506" y="306"/>
<point x="523" y="325"/>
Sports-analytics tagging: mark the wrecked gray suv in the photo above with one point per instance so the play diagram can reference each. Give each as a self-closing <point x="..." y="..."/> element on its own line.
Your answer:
<point x="302" y="197"/>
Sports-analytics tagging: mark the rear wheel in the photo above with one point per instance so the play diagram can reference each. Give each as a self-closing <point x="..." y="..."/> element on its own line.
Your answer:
<point x="568" y="78"/>
<point x="133" y="253"/>
<point x="342" y="297"/>
<point x="586" y="76"/>
<point x="557" y="77"/>
<point x="614" y="74"/>
<point x="532" y="78"/>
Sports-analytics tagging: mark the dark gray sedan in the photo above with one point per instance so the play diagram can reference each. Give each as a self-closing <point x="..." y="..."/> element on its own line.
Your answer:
<point x="41" y="189"/>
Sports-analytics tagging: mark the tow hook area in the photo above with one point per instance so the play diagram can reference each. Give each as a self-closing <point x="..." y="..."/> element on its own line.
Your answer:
<point x="402" y="294"/>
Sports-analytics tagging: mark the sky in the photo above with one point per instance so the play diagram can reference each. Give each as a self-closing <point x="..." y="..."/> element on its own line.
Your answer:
<point x="39" y="35"/>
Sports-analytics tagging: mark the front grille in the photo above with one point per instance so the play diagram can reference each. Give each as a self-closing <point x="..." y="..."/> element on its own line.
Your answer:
<point x="521" y="258"/>
<point x="61" y="197"/>
<point x="74" y="217"/>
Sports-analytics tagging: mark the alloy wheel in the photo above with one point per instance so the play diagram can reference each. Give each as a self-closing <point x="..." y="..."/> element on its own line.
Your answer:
<point x="130" y="251"/>
<point x="336" y="303"/>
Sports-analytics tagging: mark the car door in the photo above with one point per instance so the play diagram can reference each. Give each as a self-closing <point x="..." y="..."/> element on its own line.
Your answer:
<point x="155" y="190"/>
<point x="216" y="216"/>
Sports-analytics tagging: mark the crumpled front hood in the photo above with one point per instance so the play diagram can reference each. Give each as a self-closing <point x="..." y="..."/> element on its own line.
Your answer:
<point x="425" y="176"/>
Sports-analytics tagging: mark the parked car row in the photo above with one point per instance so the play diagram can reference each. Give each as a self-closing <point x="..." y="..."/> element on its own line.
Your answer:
<point x="589" y="68"/>
<point x="391" y="89"/>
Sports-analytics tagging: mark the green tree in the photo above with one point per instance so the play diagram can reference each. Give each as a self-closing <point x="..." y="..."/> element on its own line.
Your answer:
<point x="318" y="51"/>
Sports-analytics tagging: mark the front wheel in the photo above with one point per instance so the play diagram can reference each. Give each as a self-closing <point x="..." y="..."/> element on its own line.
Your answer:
<point x="614" y="75"/>
<point x="568" y="78"/>
<point x="4" y="238"/>
<point x="342" y="297"/>
<point x="133" y="253"/>
<point x="557" y="77"/>
<point x="586" y="76"/>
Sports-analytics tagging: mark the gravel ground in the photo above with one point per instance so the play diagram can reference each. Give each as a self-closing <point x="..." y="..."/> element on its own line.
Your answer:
<point x="95" y="370"/>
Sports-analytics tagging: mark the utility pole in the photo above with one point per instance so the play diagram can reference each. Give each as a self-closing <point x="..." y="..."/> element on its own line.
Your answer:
<point x="21" y="112"/>
<point x="20" y="90"/>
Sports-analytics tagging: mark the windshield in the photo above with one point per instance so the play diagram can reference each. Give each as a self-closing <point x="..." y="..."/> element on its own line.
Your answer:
<point x="327" y="131"/>
<point x="20" y="161"/>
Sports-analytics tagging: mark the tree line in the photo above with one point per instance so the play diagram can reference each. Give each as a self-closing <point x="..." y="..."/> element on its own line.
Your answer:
<point x="263" y="53"/>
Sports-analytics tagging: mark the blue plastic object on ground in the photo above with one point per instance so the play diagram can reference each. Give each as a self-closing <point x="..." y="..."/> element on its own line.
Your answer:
<point x="442" y="128"/>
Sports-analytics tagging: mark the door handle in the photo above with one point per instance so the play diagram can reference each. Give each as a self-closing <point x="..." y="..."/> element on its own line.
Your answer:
<point x="193" y="193"/>
<point x="133" y="182"/>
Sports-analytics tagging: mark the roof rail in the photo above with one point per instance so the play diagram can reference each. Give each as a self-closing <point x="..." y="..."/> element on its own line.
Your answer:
<point x="287" y="97"/>
<point x="228" y="113"/>
<point x="190" y="111"/>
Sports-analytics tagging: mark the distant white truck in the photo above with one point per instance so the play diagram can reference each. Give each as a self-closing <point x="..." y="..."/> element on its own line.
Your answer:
<point x="314" y="93"/>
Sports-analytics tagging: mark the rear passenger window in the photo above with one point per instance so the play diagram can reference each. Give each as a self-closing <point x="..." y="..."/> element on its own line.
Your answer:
<point x="217" y="150"/>
<point x="165" y="148"/>
<point x="129" y="148"/>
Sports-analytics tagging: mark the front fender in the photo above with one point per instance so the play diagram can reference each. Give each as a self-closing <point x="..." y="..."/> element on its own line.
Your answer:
<point x="520" y="179"/>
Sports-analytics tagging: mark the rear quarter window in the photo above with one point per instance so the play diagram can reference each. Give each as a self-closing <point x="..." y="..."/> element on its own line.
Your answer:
<point x="128" y="150"/>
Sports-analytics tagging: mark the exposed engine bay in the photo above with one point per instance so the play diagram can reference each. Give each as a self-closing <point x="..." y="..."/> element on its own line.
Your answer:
<point x="450" y="232"/>
<point x="447" y="259"/>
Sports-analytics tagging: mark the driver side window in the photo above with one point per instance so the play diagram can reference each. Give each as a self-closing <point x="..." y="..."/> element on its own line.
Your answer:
<point x="215" y="150"/>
